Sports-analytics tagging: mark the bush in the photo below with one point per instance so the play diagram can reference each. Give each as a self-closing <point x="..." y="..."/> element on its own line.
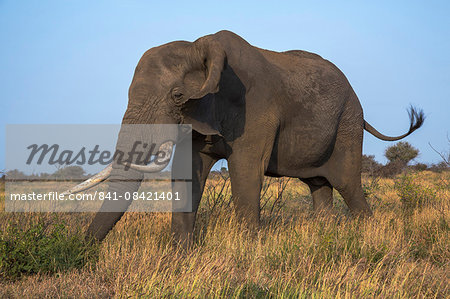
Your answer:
<point x="419" y="167"/>
<point x="69" y="173"/>
<point x="412" y="195"/>
<point x="41" y="249"/>
<point x="402" y="151"/>
<point x="369" y="164"/>
<point x="440" y="167"/>
<point x="392" y="169"/>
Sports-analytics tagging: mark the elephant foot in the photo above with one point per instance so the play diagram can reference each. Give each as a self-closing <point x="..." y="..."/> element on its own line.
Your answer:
<point x="183" y="230"/>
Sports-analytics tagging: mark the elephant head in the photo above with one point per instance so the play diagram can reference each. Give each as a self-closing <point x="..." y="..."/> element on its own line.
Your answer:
<point x="168" y="83"/>
<point x="169" y="76"/>
<point x="171" y="85"/>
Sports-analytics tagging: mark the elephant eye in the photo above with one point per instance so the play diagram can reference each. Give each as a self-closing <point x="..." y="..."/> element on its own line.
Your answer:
<point x="177" y="94"/>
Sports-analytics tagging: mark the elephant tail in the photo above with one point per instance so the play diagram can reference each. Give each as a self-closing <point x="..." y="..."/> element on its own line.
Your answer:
<point x="416" y="119"/>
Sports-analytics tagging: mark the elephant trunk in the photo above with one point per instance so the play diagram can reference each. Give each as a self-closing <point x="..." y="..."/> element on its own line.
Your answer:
<point x="135" y="146"/>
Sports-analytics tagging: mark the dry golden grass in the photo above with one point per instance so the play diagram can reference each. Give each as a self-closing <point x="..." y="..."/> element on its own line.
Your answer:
<point x="295" y="254"/>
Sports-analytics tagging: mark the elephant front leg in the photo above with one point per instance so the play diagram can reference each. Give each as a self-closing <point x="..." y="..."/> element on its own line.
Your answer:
<point x="246" y="180"/>
<point x="183" y="222"/>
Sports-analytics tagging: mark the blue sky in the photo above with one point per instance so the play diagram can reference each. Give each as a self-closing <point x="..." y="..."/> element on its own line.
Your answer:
<point x="72" y="61"/>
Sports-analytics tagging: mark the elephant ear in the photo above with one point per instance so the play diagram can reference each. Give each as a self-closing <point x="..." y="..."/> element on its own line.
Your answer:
<point x="202" y="78"/>
<point x="202" y="115"/>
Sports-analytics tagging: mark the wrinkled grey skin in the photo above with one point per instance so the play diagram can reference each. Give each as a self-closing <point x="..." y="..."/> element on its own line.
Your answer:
<point x="288" y="114"/>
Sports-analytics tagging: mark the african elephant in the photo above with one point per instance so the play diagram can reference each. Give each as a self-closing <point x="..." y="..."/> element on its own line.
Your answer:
<point x="268" y="113"/>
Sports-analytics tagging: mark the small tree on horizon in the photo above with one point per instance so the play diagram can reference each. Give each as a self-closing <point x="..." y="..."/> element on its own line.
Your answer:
<point x="69" y="172"/>
<point x="399" y="155"/>
<point x="401" y="152"/>
<point x="15" y="174"/>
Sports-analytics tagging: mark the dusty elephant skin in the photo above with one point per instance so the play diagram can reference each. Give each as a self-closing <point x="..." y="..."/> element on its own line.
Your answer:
<point x="278" y="114"/>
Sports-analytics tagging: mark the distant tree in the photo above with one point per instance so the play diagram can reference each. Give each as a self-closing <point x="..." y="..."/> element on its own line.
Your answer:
<point x="369" y="164"/>
<point x="440" y="167"/>
<point x="44" y="176"/>
<point x="401" y="152"/>
<point x="391" y="169"/>
<point x="69" y="172"/>
<point x="399" y="155"/>
<point x="419" y="167"/>
<point x="224" y="172"/>
<point x="15" y="174"/>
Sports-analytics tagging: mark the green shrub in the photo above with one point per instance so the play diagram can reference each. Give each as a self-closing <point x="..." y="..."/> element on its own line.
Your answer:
<point x="42" y="249"/>
<point x="412" y="195"/>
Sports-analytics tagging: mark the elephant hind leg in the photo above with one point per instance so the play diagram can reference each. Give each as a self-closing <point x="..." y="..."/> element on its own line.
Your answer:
<point x="345" y="177"/>
<point x="343" y="170"/>
<point x="322" y="193"/>
<point x="353" y="195"/>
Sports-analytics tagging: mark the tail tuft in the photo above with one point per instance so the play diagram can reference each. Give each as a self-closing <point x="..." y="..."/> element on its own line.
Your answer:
<point x="416" y="118"/>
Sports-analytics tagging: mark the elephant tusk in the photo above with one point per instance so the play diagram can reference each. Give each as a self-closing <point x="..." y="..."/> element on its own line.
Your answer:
<point x="91" y="182"/>
<point x="160" y="162"/>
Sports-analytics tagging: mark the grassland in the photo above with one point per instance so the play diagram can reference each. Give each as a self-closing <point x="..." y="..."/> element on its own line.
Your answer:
<point x="402" y="251"/>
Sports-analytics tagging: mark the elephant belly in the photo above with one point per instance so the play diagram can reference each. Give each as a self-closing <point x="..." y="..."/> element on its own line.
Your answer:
<point x="300" y="149"/>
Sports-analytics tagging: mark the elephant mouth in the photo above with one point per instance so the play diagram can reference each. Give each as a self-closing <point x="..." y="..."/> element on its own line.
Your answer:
<point x="161" y="160"/>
